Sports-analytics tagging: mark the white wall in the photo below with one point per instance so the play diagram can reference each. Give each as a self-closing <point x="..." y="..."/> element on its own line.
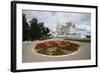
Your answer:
<point x="5" y="36"/>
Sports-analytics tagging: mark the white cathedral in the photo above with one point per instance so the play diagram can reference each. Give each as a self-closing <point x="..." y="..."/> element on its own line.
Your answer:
<point x="69" y="30"/>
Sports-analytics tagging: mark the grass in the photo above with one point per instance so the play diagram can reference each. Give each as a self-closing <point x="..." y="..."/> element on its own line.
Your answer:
<point x="87" y="40"/>
<point x="45" y="38"/>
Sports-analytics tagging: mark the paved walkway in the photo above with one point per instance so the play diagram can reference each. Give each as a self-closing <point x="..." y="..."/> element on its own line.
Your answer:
<point x="28" y="54"/>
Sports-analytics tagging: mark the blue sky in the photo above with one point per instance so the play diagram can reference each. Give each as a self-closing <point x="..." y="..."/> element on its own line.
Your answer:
<point x="51" y="19"/>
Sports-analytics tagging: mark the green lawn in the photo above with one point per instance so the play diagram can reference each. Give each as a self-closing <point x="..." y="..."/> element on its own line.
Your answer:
<point x="80" y="40"/>
<point x="45" y="38"/>
<point x="87" y="40"/>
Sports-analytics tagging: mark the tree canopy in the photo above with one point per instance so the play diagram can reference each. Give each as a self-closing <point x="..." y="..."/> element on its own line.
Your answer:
<point x="35" y="31"/>
<point x="25" y="28"/>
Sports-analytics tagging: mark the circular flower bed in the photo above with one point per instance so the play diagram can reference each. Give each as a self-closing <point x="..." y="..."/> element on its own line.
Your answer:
<point x="55" y="48"/>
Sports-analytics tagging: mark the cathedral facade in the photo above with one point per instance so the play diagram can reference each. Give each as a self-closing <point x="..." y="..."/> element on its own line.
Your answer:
<point x="69" y="30"/>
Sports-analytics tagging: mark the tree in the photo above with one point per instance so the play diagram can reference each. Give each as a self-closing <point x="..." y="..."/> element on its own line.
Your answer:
<point x="25" y="28"/>
<point x="37" y="29"/>
<point x="41" y="27"/>
<point x="46" y="31"/>
<point x="34" y="29"/>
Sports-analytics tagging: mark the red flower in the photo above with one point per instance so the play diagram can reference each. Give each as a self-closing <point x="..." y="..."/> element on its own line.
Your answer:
<point x="40" y="45"/>
<point x="50" y="44"/>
